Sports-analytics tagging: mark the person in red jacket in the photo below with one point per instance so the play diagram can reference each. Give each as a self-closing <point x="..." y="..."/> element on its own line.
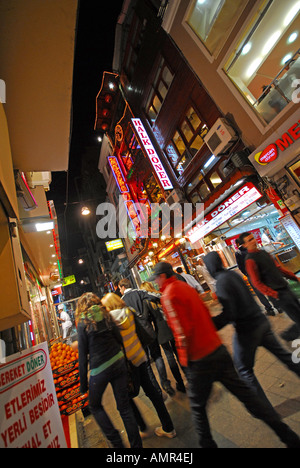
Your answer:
<point x="205" y="359"/>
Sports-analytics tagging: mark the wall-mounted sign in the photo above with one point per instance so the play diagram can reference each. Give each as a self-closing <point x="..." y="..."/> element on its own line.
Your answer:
<point x="69" y="280"/>
<point x="113" y="245"/>
<point x="271" y="153"/>
<point x="118" y="174"/>
<point x="152" y="154"/>
<point x="230" y="207"/>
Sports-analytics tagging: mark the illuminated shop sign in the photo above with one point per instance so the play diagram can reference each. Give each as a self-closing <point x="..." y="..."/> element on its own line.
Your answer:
<point x="271" y="153"/>
<point x="118" y="174"/>
<point x="114" y="245"/>
<point x="230" y="207"/>
<point x="153" y="156"/>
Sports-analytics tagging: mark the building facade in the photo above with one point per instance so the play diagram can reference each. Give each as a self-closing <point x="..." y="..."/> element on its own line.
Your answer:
<point x="183" y="104"/>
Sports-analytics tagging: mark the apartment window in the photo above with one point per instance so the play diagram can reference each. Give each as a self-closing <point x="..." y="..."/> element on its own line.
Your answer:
<point x="159" y="89"/>
<point x="134" y="45"/>
<point x="206" y="181"/>
<point x="212" y="21"/>
<point x="265" y="64"/>
<point x="187" y="140"/>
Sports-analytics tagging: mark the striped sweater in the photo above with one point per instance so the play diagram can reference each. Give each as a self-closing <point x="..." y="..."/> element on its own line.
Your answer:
<point x="124" y="319"/>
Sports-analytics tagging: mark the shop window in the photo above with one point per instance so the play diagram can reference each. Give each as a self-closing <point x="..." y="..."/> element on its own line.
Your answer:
<point x="212" y="21"/>
<point x="266" y="62"/>
<point x="153" y="190"/>
<point x="188" y="139"/>
<point x="159" y="91"/>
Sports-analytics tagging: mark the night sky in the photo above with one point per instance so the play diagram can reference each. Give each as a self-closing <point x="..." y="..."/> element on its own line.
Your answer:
<point x="93" y="55"/>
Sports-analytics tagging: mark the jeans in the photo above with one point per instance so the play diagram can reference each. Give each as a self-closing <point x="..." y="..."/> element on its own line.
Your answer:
<point x="155" y="353"/>
<point x="155" y="397"/>
<point x="116" y="375"/>
<point x="244" y="349"/>
<point x="218" y="366"/>
<point x="289" y="302"/>
<point x="170" y="352"/>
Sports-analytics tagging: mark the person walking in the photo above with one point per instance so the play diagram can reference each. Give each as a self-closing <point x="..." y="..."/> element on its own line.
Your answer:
<point x="165" y="339"/>
<point x="206" y="360"/>
<point x="240" y="256"/>
<point x="137" y="300"/>
<point x="123" y="316"/>
<point x="190" y="280"/>
<point x="252" y="328"/>
<point x="99" y="345"/>
<point x="268" y="277"/>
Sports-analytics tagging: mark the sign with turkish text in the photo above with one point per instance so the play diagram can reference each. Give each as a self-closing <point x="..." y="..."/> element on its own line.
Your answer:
<point x="230" y="207"/>
<point x="292" y="228"/>
<point x="118" y="174"/>
<point x="152" y="154"/>
<point x="30" y="416"/>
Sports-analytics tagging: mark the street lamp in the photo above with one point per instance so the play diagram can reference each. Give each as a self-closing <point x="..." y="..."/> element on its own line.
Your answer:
<point x="85" y="211"/>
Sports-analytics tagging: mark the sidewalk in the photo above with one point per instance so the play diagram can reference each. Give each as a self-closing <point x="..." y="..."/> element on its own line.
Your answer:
<point x="231" y="424"/>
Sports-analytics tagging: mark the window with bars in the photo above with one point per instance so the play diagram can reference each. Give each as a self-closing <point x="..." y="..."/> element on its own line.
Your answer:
<point x="187" y="140"/>
<point x="159" y="90"/>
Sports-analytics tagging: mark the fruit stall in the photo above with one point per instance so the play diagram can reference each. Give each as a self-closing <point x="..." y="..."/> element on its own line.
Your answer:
<point x="65" y="369"/>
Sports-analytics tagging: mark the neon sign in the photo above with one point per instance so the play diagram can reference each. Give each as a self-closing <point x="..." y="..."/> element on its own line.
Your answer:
<point x="153" y="156"/>
<point x="118" y="174"/>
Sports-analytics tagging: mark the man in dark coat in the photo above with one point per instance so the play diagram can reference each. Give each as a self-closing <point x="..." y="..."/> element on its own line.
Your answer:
<point x="268" y="277"/>
<point x="251" y="325"/>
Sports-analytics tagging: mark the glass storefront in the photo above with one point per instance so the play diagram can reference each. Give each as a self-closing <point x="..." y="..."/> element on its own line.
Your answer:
<point x="267" y="225"/>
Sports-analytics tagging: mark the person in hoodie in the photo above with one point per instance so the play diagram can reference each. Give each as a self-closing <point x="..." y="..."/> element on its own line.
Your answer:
<point x="100" y="346"/>
<point x="252" y="328"/>
<point x="123" y="316"/>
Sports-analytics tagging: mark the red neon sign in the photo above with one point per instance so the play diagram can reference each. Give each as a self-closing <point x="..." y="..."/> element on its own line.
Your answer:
<point x="118" y="174"/>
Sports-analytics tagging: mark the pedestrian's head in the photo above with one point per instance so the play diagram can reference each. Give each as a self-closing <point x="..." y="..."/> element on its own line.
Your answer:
<point x="248" y="240"/>
<point x="161" y="272"/>
<point x="147" y="286"/>
<point x="89" y="309"/>
<point x="60" y="308"/>
<point x="112" y="301"/>
<point x="124" y="284"/>
<point x="213" y="263"/>
<point x="179" y="270"/>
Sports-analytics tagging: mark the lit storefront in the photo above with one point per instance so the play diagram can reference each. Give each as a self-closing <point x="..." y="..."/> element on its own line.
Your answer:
<point x="247" y="209"/>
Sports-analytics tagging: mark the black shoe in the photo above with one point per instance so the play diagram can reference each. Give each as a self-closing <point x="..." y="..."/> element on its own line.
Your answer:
<point x="180" y="387"/>
<point x="169" y="390"/>
<point x="270" y="312"/>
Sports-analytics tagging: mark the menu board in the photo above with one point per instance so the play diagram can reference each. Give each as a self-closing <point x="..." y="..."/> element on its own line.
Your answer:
<point x="292" y="228"/>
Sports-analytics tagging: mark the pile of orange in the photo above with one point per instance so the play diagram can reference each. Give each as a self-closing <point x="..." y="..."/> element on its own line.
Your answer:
<point x="61" y="354"/>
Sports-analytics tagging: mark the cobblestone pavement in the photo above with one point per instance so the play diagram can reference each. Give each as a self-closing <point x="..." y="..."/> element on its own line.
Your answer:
<point x="231" y="424"/>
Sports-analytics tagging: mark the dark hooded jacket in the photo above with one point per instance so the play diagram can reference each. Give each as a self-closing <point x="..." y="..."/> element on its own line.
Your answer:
<point x="239" y="306"/>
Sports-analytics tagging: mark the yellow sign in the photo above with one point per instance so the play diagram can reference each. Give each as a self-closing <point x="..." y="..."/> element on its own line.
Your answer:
<point x="113" y="245"/>
<point x="69" y="280"/>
